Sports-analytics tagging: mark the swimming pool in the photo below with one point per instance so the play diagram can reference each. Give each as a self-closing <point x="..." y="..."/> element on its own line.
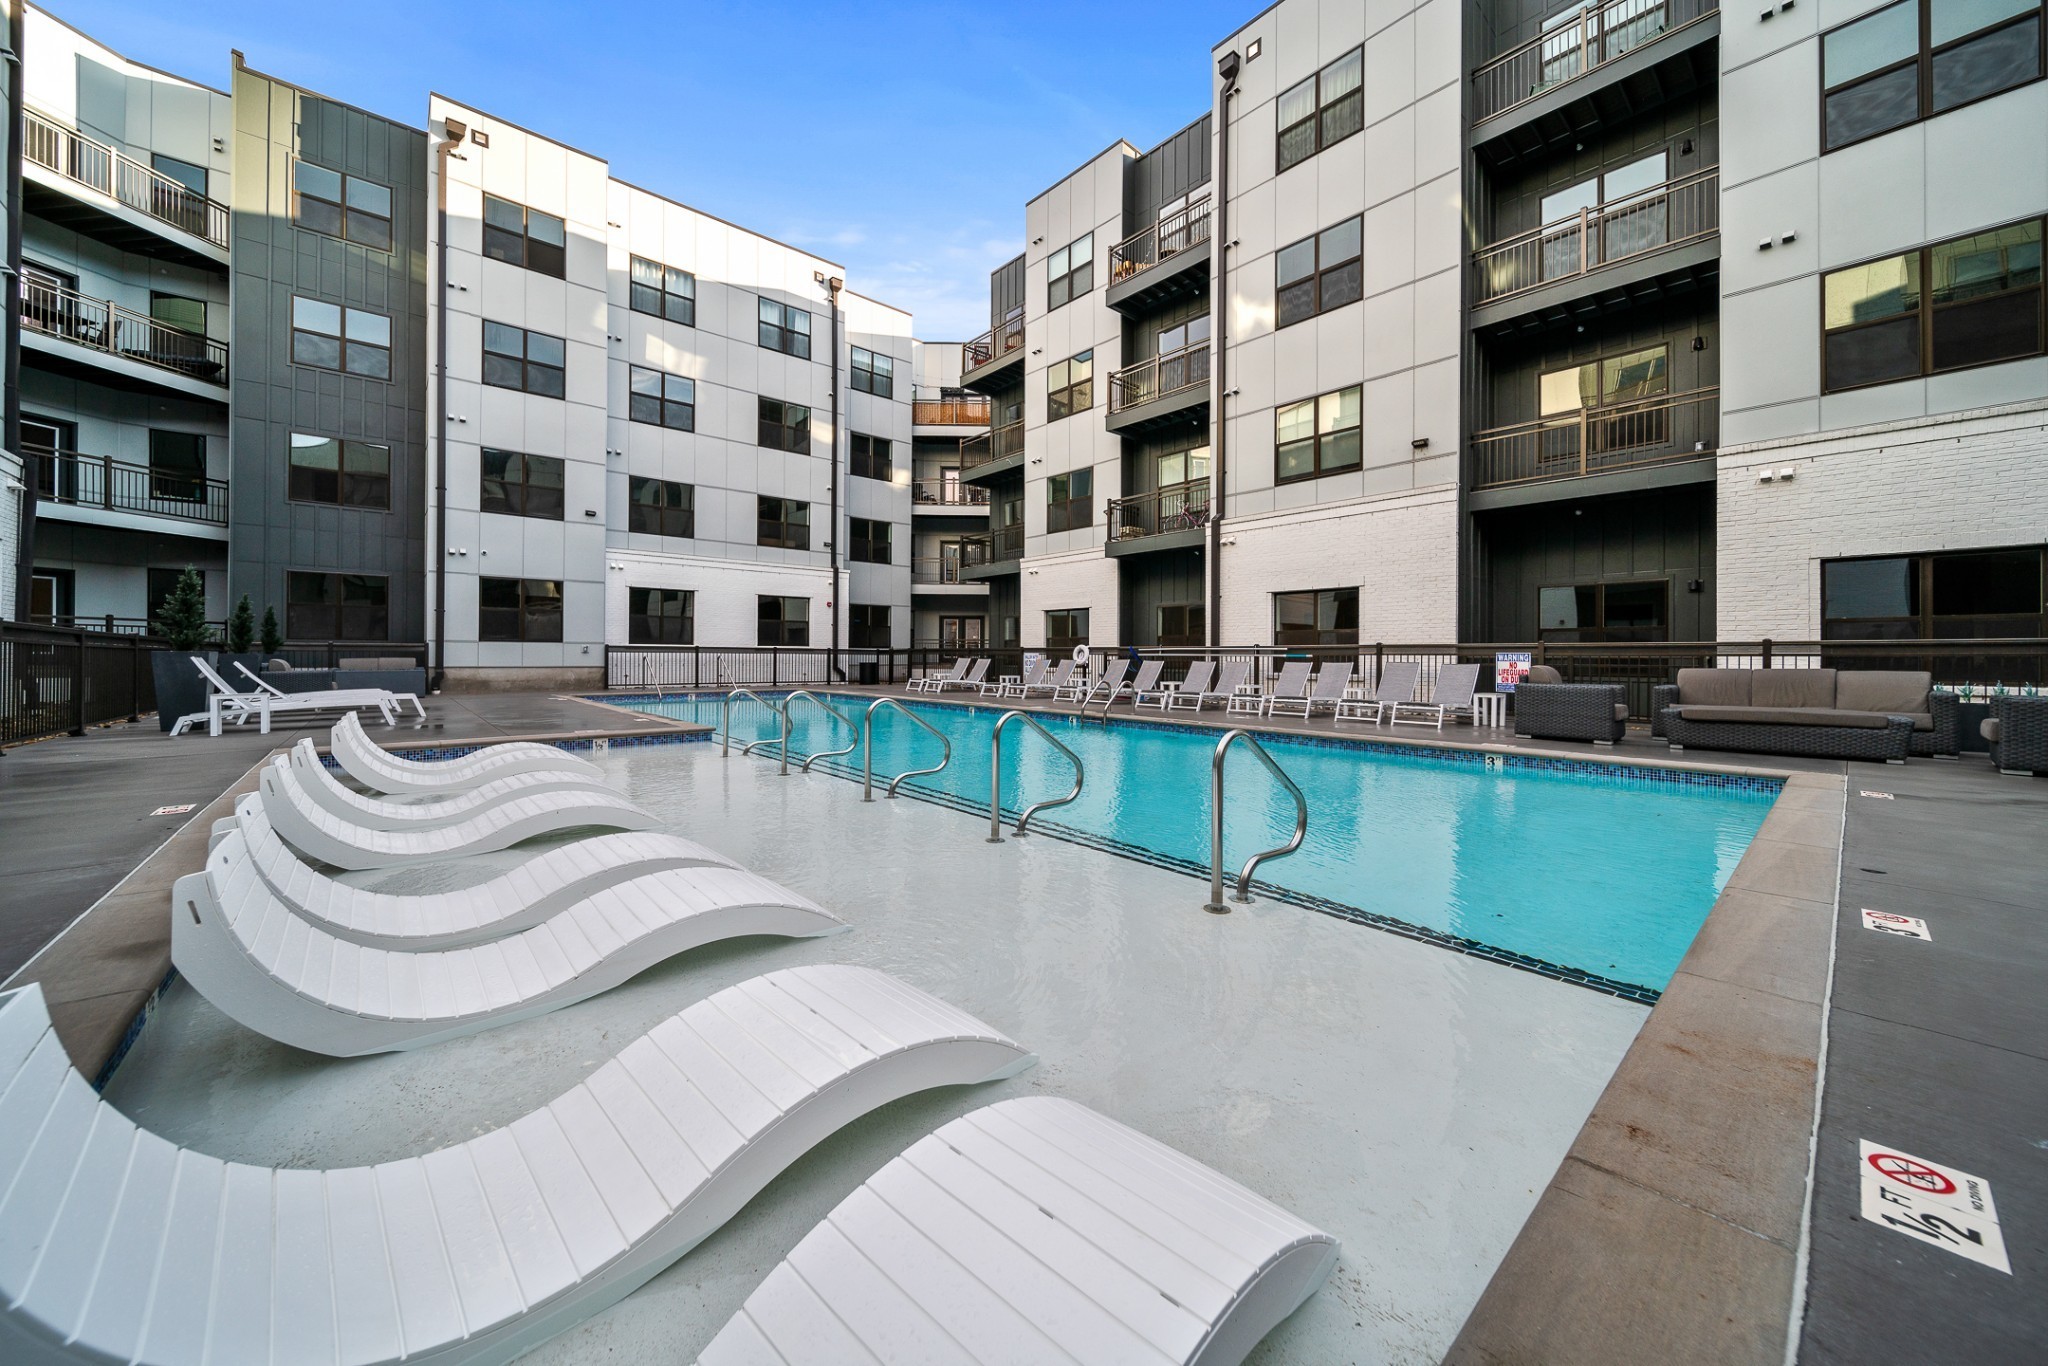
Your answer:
<point x="1599" y="874"/>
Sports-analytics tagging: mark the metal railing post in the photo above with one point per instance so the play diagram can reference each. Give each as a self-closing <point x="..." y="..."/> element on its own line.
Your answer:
<point x="1215" y="904"/>
<point x="789" y="705"/>
<point x="995" y="795"/>
<point x="78" y="685"/>
<point x="725" y="720"/>
<point x="867" y="763"/>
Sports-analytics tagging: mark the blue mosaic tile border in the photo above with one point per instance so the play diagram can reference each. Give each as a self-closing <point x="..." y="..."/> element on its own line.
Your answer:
<point x="581" y="744"/>
<point x="133" y="1032"/>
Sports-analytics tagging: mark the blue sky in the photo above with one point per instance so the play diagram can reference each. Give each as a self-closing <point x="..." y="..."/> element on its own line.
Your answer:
<point x="900" y="139"/>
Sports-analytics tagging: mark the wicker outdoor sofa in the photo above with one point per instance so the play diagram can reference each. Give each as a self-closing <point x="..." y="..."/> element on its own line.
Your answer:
<point x="1875" y="714"/>
<point x="2018" y="731"/>
<point x="1548" y="708"/>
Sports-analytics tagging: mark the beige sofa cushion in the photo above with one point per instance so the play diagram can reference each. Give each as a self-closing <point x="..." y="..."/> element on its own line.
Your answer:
<point x="1787" y="716"/>
<point x="1902" y="692"/>
<point x="1793" y="688"/>
<point x="1990" y="729"/>
<point x="1621" y="711"/>
<point x="1714" y="687"/>
<point x="1543" y="673"/>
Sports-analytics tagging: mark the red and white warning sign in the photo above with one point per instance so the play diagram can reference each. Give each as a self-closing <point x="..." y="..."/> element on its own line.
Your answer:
<point x="1884" y="922"/>
<point x="1939" y="1205"/>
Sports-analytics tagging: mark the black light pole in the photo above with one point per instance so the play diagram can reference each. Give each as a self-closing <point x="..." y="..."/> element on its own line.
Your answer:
<point x="1227" y="66"/>
<point x="833" y="284"/>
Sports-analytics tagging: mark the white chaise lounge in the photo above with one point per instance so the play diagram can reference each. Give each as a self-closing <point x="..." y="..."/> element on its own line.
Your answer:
<point x="119" y="1246"/>
<point x="227" y="703"/>
<point x="357" y="696"/>
<point x="421" y="812"/>
<point x="371" y="765"/>
<point x="319" y="833"/>
<point x="1034" y="1231"/>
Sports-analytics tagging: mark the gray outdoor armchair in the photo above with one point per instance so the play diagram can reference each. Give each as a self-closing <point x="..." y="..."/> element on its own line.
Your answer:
<point x="2018" y="731"/>
<point x="1548" y="708"/>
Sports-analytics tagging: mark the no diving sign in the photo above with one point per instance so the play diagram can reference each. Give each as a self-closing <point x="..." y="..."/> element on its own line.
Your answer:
<point x="1884" y="922"/>
<point x="1939" y="1205"/>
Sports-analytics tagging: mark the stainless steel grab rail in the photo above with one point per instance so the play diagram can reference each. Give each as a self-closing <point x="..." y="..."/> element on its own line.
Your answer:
<point x="789" y="724"/>
<point x="995" y="779"/>
<point x="725" y="721"/>
<point x="1244" y="879"/>
<point x="867" y="761"/>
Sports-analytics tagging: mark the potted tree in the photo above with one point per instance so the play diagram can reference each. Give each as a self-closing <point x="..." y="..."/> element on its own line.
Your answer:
<point x="241" y="643"/>
<point x="181" y="624"/>
<point x="273" y="634"/>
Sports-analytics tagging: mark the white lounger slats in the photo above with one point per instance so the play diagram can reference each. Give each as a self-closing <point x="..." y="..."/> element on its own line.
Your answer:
<point x="117" y="1246"/>
<point x="374" y="767"/>
<point x="425" y="812"/>
<point x="1034" y="1231"/>
<point x="320" y="834"/>
<point x="287" y="978"/>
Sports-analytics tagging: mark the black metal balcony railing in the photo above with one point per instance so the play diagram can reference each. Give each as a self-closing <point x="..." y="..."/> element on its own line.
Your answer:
<point x="1004" y="543"/>
<point x="95" y="481"/>
<point x="944" y="569"/>
<point x="1666" y="215"/>
<point x="1573" y="46"/>
<point x="59" y="312"/>
<point x="1177" y="507"/>
<point x="950" y="412"/>
<point x="1000" y="443"/>
<point x="120" y="177"/>
<point x="992" y="344"/>
<point x="947" y="493"/>
<point x="1649" y="431"/>
<point x="1171" y="235"/>
<point x="1160" y="377"/>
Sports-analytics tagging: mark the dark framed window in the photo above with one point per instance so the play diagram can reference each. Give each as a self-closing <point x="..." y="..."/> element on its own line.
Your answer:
<point x="1918" y="58"/>
<point x="1070" y="386"/>
<point x="1321" y="111"/>
<point x="520" y="485"/>
<point x="177" y="466"/>
<point x="783" y="621"/>
<point x="1181" y="625"/>
<point x="663" y="291"/>
<point x="326" y="469"/>
<point x="520" y="236"/>
<point x="1631" y="377"/>
<point x="783" y="522"/>
<point x="1070" y="271"/>
<point x="661" y="399"/>
<point x="525" y="610"/>
<point x="1636" y="609"/>
<point x="344" y="206"/>
<point x="870" y="541"/>
<point x="176" y="310"/>
<point x="158" y="585"/>
<point x="661" y="616"/>
<point x="1953" y="595"/>
<point x="1975" y="300"/>
<point x="185" y="173"/>
<point x="1317" y="436"/>
<point x="1180" y="336"/>
<point x="785" y="329"/>
<point x="336" y="606"/>
<point x="661" y="507"/>
<point x="867" y="626"/>
<point x="1066" y="628"/>
<point x="785" y="426"/>
<point x="531" y="362"/>
<point x="873" y="374"/>
<point x="1070" y="500"/>
<point x="1319" y="273"/>
<point x="1324" y="616"/>
<point x="330" y="337"/>
<point x="873" y="457"/>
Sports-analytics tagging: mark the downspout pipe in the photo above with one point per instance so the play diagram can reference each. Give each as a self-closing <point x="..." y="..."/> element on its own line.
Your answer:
<point x="1227" y="66"/>
<point x="833" y="284"/>
<point x="443" y="152"/>
<point x="10" y="426"/>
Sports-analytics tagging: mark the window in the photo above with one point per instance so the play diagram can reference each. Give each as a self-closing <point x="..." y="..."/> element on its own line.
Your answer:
<point x="785" y="329"/>
<point x="331" y="337"/>
<point x="661" y="399"/>
<point x="1180" y="624"/>
<point x="175" y="310"/>
<point x="1629" y="229"/>
<point x="868" y="627"/>
<point x="528" y="610"/>
<point x="659" y="507"/>
<point x="344" y="206"/>
<point x="1626" y="378"/>
<point x="336" y="606"/>
<point x="1065" y="629"/>
<point x="1316" y="436"/>
<point x="517" y="359"/>
<point x="784" y="522"/>
<point x="663" y="291"/>
<point x="1605" y="611"/>
<point x="185" y="173"/>
<point x="961" y="633"/>
<point x="1319" y="273"/>
<point x="872" y="458"/>
<point x="1973" y="301"/>
<point x="1969" y="594"/>
<point x="520" y="236"/>
<point x="784" y="621"/>
<point x="158" y="584"/>
<point x="1181" y="467"/>
<point x="326" y="469"/>
<point x="1180" y="336"/>
<point x="873" y="374"/>
<point x="1328" y="616"/>
<point x="1070" y="271"/>
<point x="1913" y="60"/>
<point x="177" y="466"/>
<point x="1323" y="110"/>
<point x="785" y="426"/>
<point x="1070" y="500"/>
<point x="519" y="485"/>
<point x="1069" y="386"/>
<point x="870" y="541"/>
<point x="661" y="616"/>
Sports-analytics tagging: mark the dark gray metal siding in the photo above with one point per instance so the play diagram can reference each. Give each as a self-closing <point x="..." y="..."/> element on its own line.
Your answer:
<point x="1667" y="534"/>
<point x="1165" y="173"/>
<point x="1169" y="578"/>
<point x="1005" y="290"/>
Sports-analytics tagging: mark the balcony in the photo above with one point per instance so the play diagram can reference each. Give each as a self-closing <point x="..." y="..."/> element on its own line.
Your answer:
<point x="943" y="573"/>
<point x="989" y="358"/>
<point x="1164" y="262"/>
<point x="1666" y="429"/>
<point x="1164" y="519"/>
<point x="145" y="191"/>
<point x="970" y="411"/>
<point x="1159" y="391"/>
<point x="947" y="496"/>
<point x="51" y="310"/>
<point x="993" y="453"/>
<point x="996" y="552"/>
<point x="1536" y="81"/>
<point x="107" y="485"/>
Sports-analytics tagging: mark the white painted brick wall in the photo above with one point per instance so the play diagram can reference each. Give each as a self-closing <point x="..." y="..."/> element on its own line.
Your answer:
<point x="1083" y="579"/>
<point x="10" y="531"/>
<point x="726" y="609"/>
<point x="1401" y="553"/>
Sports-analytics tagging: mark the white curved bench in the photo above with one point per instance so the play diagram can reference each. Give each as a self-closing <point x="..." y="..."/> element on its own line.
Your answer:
<point x="321" y="834"/>
<point x="425" y="813"/>
<point x="377" y="768"/>
<point x="1034" y="1230"/>
<point x="116" y="1245"/>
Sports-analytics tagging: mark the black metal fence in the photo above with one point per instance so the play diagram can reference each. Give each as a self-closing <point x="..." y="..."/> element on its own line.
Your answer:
<point x="61" y="681"/>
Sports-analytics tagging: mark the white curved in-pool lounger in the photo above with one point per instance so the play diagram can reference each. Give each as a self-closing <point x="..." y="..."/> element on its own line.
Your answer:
<point x="119" y="1246"/>
<point x="425" y="813"/>
<point x="381" y="771"/>
<point x="1034" y="1230"/>
<point x="287" y="978"/>
<point x="319" y="833"/>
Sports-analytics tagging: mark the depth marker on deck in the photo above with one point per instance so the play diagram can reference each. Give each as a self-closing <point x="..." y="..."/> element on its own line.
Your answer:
<point x="1940" y="1205"/>
<point x="1881" y="796"/>
<point x="174" y="810"/>
<point x="1884" y="922"/>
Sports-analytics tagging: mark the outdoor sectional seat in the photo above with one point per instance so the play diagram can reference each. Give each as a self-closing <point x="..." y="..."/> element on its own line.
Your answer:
<point x="2018" y="732"/>
<point x="119" y="1246"/>
<point x="1548" y="708"/>
<point x="1851" y="714"/>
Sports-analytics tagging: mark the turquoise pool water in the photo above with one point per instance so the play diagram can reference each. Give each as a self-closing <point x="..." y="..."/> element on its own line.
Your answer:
<point x="1595" y="874"/>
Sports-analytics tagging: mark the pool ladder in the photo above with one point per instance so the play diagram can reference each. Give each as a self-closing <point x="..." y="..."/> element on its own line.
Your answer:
<point x="995" y="779"/>
<point x="1216" y="903"/>
<point x="725" y="722"/>
<point x="789" y="705"/>
<point x="867" y="760"/>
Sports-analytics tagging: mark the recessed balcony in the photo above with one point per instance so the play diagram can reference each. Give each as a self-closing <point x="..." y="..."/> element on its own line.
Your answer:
<point x="946" y="574"/>
<point x="992" y="553"/>
<point x="993" y="453"/>
<point x="101" y="484"/>
<point x="124" y="203"/>
<point x="1159" y="391"/>
<point x="948" y="497"/>
<point x="1162" y="263"/>
<point x="139" y="347"/>
<point x="969" y="410"/>
<point x="995" y="359"/>
<point x="1641" y="434"/>
<point x="1169" y="518"/>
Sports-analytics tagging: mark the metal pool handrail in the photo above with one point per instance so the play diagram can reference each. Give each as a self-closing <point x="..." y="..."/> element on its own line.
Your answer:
<point x="867" y="760"/>
<point x="995" y="780"/>
<point x="725" y="721"/>
<point x="789" y="724"/>
<point x="1244" y="879"/>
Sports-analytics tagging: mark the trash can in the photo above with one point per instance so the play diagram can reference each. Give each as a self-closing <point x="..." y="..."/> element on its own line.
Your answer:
<point x="868" y="672"/>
